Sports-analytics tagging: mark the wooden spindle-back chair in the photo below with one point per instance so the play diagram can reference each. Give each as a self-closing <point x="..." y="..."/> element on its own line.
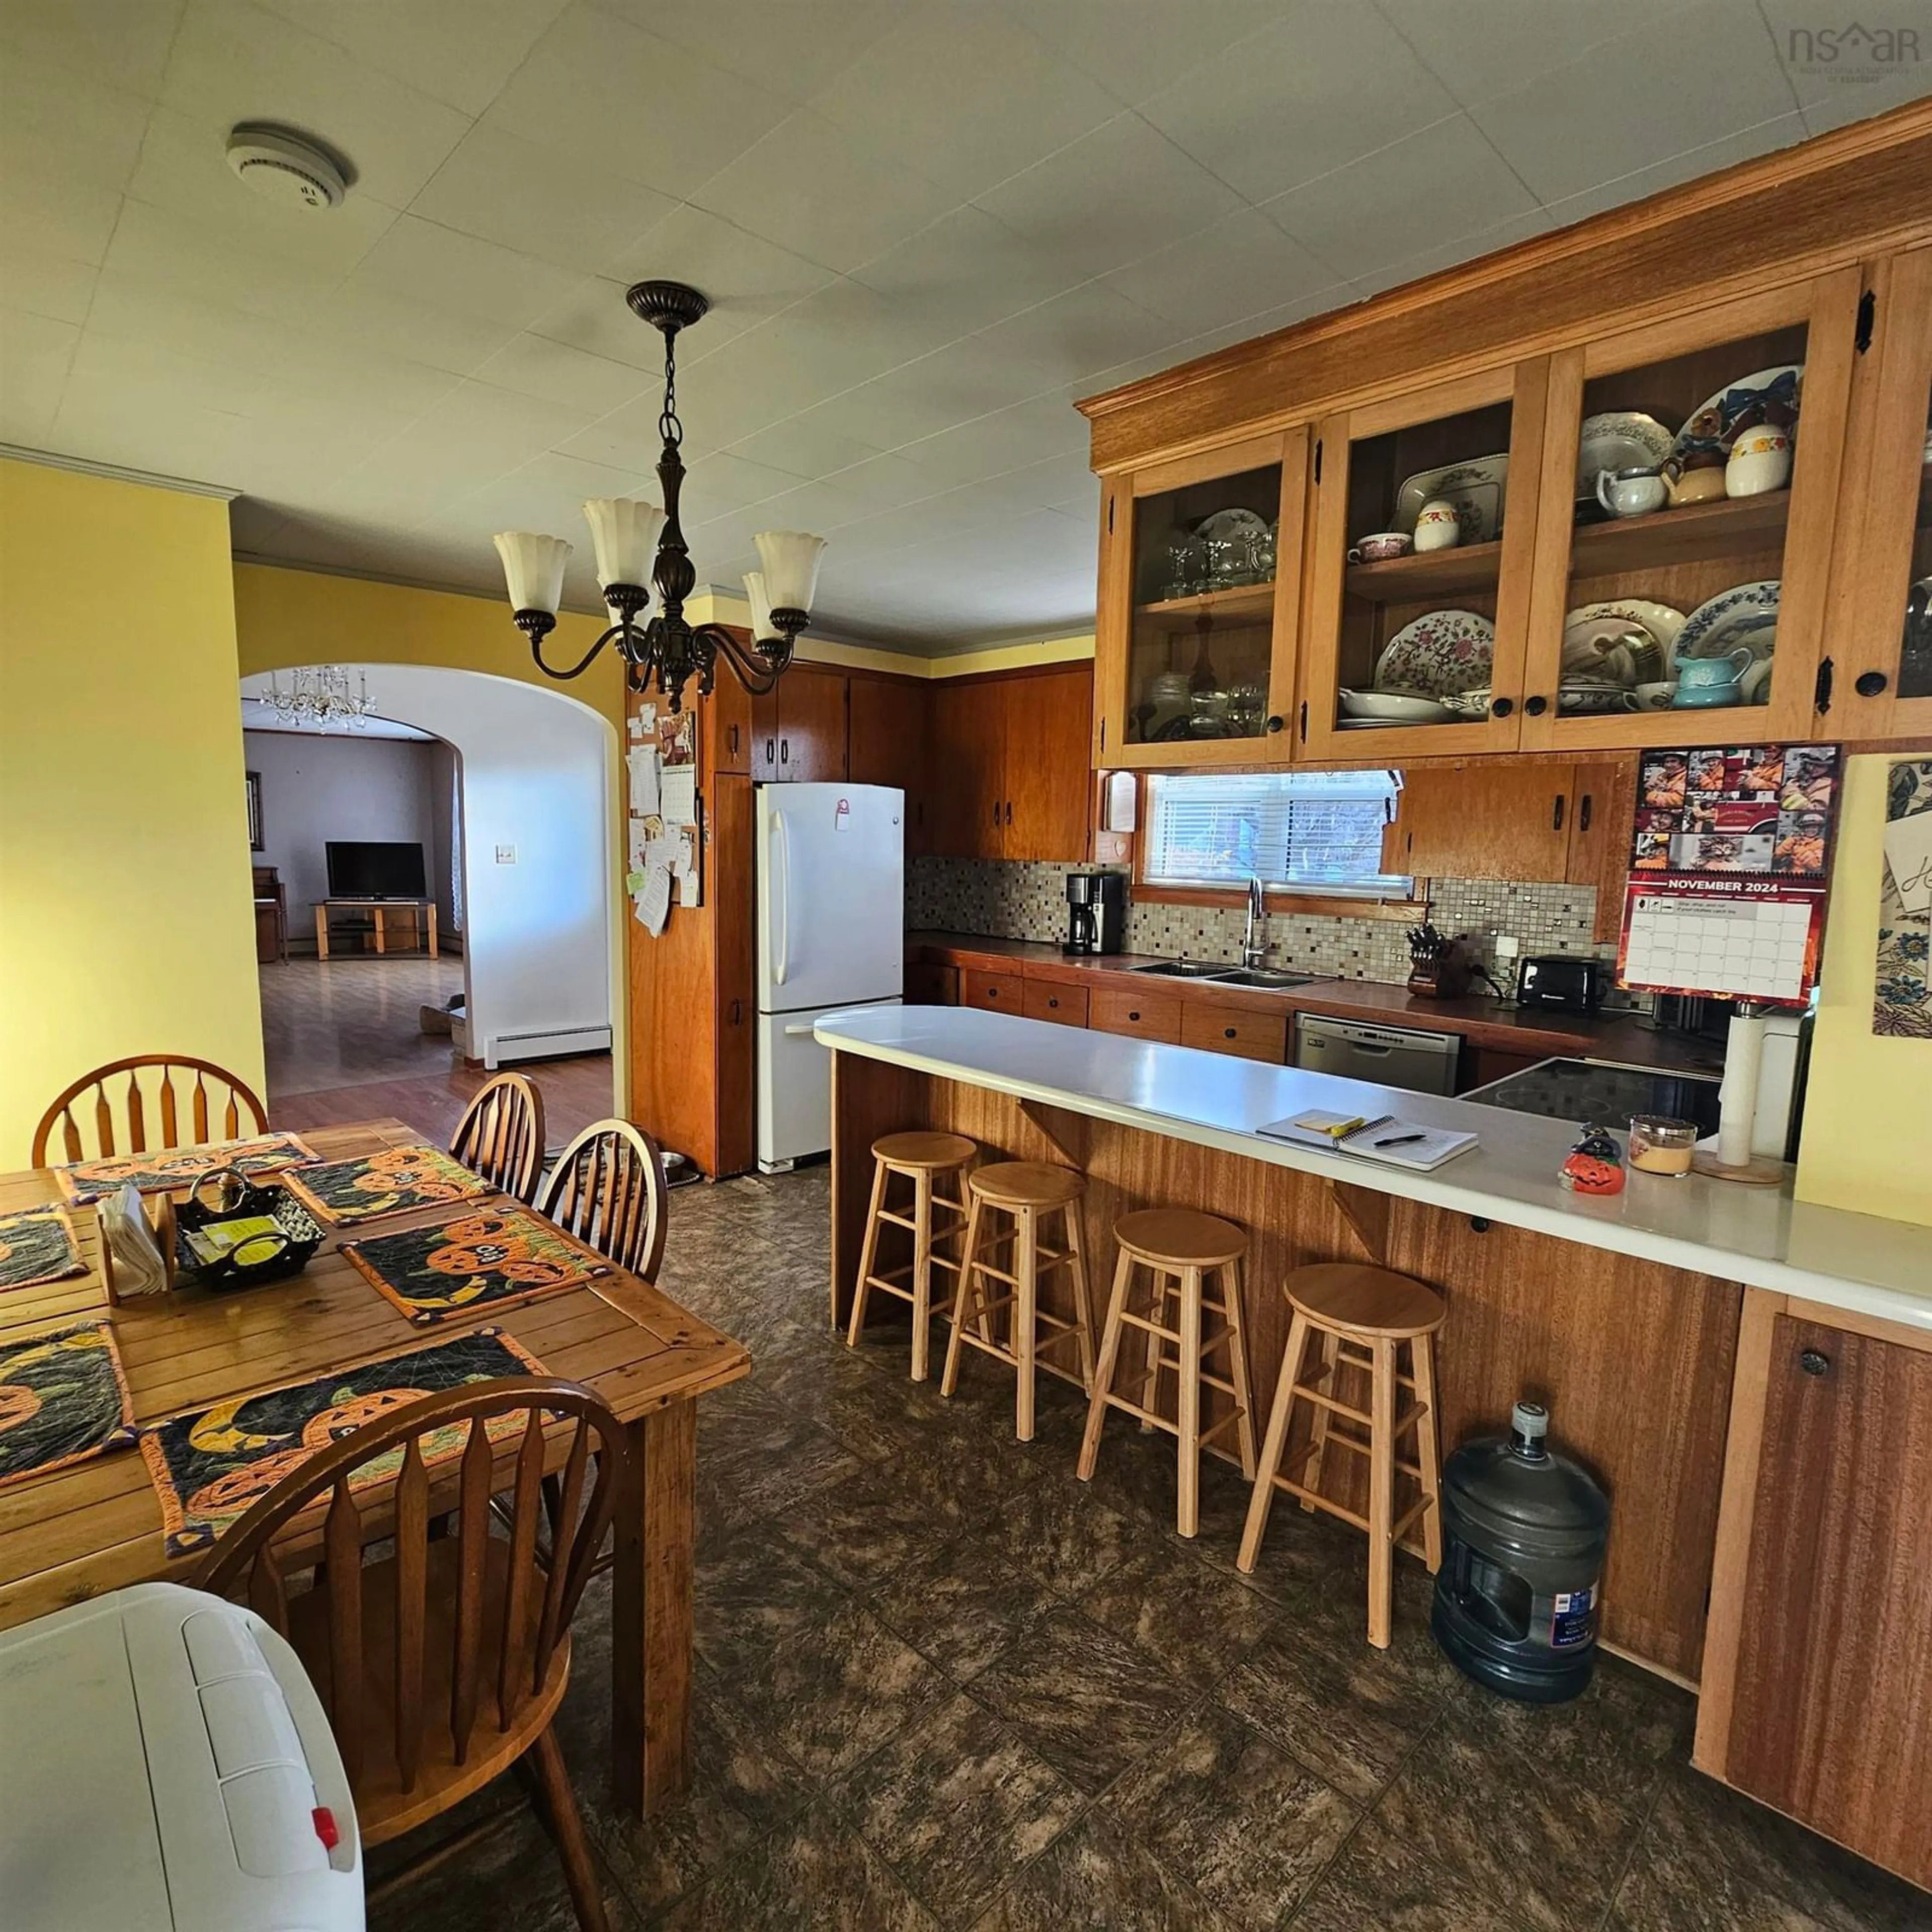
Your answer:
<point x="607" y="1189"/>
<point x="501" y="1134"/>
<point x="443" y="1664"/>
<point x="123" y="1123"/>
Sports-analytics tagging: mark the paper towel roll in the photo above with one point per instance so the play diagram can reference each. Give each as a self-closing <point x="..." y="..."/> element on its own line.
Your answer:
<point x="1737" y="1099"/>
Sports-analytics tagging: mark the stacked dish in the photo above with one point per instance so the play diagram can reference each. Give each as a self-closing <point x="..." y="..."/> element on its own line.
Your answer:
<point x="1423" y="672"/>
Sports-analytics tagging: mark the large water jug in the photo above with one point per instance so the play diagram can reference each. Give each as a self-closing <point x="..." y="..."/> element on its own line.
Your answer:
<point x="1517" y="1597"/>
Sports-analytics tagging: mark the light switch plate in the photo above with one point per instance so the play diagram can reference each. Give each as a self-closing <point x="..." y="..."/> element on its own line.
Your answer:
<point x="506" y="855"/>
<point x="1508" y="946"/>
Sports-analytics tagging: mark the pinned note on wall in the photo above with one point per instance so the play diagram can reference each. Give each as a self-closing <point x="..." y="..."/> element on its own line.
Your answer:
<point x="1902" y="991"/>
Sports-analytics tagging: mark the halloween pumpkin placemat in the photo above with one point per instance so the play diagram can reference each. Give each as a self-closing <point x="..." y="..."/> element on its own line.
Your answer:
<point x="170" y="1167"/>
<point x="392" y="1182"/>
<point x="482" y="1260"/>
<point x="210" y="1465"/>
<point x="63" y="1398"/>
<point x="37" y="1245"/>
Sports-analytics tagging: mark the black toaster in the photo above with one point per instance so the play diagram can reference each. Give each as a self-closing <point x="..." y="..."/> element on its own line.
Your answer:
<point x="1556" y="980"/>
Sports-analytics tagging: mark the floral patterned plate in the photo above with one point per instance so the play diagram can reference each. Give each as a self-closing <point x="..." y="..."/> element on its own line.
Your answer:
<point x="1477" y="490"/>
<point x="1771" y="395"/>
<point x="1440" y="654"/>
<point x="1746" y="614"/>
<point x="1617" y="439"/>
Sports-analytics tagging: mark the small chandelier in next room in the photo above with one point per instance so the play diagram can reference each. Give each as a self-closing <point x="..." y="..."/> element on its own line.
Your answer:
<point x="666" y="647"/>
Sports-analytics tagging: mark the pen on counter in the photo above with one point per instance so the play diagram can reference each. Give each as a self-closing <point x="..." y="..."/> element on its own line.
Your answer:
<point x="1399" y="1140"/>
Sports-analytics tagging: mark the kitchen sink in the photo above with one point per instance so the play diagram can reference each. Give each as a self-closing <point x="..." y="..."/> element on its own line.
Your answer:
<point x="1187" y="969"/>
<point x="1268" y="978"/>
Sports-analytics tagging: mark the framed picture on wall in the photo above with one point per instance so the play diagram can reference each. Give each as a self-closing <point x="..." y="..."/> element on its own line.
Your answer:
<point x="255" y="843"/>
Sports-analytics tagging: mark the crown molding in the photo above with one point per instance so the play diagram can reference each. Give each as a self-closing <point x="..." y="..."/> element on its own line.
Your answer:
<point x="115" y="473"/>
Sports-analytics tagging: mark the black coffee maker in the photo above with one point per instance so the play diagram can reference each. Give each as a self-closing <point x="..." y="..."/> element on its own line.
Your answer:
<point x="1096" y="911"/>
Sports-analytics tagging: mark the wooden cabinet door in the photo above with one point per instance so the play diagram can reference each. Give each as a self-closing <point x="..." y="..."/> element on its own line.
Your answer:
<point x="929" y="984"/>
<point x="1881" y="637"/>
<point x="1487" y="821"/>
<point x="1047" y="786"/>
<point x="966" y="799"/>
<point x="997" y="992"/>
<point x="724" y="725"/>
<point x="1678" y="559"/>
<point x="1816" y="1697"/>
<point x="812" y="725"/>
<point x="887" y="718"/>
<point x="1233" y="1030"/>
<point x="1141" y="1016"/>
<point x="767" y="730"/>
<point x="1054" y="1001"/>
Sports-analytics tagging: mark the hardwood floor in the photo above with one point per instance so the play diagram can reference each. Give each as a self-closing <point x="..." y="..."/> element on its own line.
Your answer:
<point x="344" y="1042"/>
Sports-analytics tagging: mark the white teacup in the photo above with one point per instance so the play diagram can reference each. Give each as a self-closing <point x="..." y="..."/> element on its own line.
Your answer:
<point x="1631" y="492"/>
<point x="1653" y="696"/>
<point x="1760" y="460"/>
<point x="1437" y="526"/>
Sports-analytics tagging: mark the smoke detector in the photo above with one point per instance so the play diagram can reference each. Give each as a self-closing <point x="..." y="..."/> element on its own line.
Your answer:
<point x="286" y="168"/>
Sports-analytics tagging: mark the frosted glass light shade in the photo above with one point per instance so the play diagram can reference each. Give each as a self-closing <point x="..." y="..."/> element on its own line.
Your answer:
<point x="790" y="559"/>
<point x="533" y="568"/>
<point x="624" y="534"/>
<point x="761" y="606"/>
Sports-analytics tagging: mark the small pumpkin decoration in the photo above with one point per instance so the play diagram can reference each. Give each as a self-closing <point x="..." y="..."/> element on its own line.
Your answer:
<point x="344" y="1418"/>
<point x="229" y="1495"/>
<point x="1595" y="1166"/>
<point x="19" y="1403"/>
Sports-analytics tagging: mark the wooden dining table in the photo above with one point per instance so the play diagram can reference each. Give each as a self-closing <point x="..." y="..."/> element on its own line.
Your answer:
<point x="73" y="1533"/>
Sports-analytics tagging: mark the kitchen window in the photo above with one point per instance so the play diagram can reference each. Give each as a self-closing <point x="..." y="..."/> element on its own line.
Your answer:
<point x="1318" y="834"/>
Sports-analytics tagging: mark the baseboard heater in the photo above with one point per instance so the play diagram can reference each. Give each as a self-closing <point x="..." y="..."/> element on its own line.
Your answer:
<point x="548" y="1043"/>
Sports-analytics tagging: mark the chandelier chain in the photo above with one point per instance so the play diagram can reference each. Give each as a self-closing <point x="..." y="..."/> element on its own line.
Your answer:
<point x="669" y="427"/>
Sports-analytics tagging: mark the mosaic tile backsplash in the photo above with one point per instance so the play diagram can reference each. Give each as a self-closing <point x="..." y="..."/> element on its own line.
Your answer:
<point x="1011" y="901"/>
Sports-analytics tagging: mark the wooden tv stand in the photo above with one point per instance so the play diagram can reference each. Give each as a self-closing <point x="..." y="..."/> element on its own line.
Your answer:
<point x="381" y="908"/>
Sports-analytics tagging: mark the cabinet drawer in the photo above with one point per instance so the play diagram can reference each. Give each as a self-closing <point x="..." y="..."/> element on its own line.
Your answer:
<point x="998" y="992"/>
<point x="1145" y="1015"/>
<point x="928" y="984"/>
<point x="1046" y="1000"/>
<point x="1230" y="1030"/>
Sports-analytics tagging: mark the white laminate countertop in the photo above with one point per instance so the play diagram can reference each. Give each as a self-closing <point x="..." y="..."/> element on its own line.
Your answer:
<point x="1759" y="1236"/>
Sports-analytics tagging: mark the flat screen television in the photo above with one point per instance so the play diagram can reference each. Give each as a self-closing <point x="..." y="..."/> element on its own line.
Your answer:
<point x="360" y="868"/>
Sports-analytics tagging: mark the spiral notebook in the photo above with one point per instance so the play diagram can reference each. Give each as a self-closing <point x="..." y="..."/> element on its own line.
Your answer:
<point x="1394" y="1143"/>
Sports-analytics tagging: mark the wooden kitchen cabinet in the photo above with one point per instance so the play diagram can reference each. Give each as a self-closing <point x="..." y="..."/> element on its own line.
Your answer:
<point x="1051" y="1000"/>
<point x="929" y="984"/>
<point x="1009" y="772"/>
<point x="799" y="727"/>
<point x="1815" y="1695"/>
<point x="1233" y="1029"/>
<point x="992" y="992"/>
<point x="1141" y="1016"/>
<point x="887" y="720"/>
<point x="1198" y="606"/>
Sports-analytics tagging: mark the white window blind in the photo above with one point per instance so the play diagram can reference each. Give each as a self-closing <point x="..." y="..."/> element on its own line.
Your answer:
<point x="1317" y="832"/>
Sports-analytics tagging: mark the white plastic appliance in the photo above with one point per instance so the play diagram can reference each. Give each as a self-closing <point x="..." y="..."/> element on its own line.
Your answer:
<point x="165" y="1766"/>
<point x="831" y="888"/>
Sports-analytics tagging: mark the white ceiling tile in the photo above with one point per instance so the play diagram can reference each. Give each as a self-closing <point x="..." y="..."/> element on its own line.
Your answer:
<point x="878" y="483"/>
<point x="1243" y="264"/>
<point x="55" y="122"/>
<point x="1478" y="49"/>
<point x="626" y="439"/>
<point x="968" y="90"/>
<point x="187" y="376"/>
<point x="626" y="100"/>
<point x="1089" y="327"/>
<point x="1008" y="439"/>
<point x="35" y="351"/>
<point x="1844" y="105"/>
<point x="1635" y="100"/>
<point x="1134" y="47"/>
<point x="594" y="316"/>
<point x="819" y="191"/>
<point x="716" y="484"/>
<point x="1461" y="248"/>
<point x="372" y="319"/>
<point x="146" y="424"/>
<point x="232" y="62"/>
<point x="158" y="248"/>
<point x="962" y="381"/>
<point x="967" y="271"/>
<point x="418" y="261"/>
<point x="804" y="446"/>
<point x="559" y="207"/>
<point x="747" y="278"/>
<point x="123" y="42"/>
<point x="1845" y="69"/>
<point x="460" y="51"/>
<point x="1119" y="193"/>
<point x="1370" y="214"/>
<point x="47" y="285"/>
<point x="55" y="214"/>
<point x="846" y="334"/>
<point x="184" y="169"/>
<point x="1742" y="146"/>
<point x="792" y="48"/>
<point x="1327" y="85"/>
<point x="253" y="522"/>
<point x="531" y="365"/>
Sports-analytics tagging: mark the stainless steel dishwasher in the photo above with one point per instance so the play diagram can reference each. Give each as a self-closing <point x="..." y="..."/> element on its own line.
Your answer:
<point x="1424" y="1063"/>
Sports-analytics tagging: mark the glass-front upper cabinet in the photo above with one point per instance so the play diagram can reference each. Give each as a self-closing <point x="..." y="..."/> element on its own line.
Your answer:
<point x="1878" y="633"/>
<point x="1424" y="535"/>
<point x="1690" y="477"/>
<point x="1200" y="583"/>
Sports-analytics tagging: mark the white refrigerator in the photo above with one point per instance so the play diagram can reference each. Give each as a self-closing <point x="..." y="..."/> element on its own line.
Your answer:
<point x="831" y="890"/>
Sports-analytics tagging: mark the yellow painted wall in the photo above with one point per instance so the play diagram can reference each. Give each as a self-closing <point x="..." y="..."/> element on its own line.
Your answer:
<point x="1870" y="1098"/>
<point x="284" y="617"/>
<point x="127" y="923"/>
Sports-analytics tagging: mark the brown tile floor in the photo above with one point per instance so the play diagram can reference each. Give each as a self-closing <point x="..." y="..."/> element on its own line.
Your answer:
<point x="943" y="1684"/>
<point x="342" y="1043"/>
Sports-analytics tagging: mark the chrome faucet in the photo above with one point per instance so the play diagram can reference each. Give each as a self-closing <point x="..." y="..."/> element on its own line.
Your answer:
<point x="1254" y="940"/>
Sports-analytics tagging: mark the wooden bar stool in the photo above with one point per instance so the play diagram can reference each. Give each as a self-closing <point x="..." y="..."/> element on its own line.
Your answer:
<point x="921" y="1157"/>
<point x="1026" y="1191"/>
<point x="1362" y="1316"/>
<point x="1181" y="1249"/>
